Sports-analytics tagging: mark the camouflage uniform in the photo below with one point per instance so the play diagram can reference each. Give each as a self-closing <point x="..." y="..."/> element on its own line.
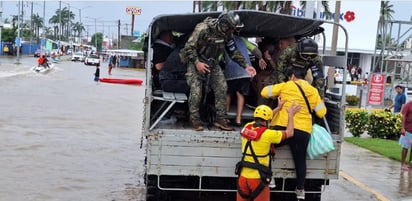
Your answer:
<point x="290" y="56"/>
<point x="207" y="44"/>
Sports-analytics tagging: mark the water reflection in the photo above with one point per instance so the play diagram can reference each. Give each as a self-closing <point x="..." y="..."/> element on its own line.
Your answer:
<point x="405" y="184"/>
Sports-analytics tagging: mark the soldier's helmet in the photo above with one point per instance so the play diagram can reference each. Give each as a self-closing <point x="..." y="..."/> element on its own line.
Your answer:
<point x="264" y="112"/>
<point x="307" y="49"/>
<point x="228" y="21"/>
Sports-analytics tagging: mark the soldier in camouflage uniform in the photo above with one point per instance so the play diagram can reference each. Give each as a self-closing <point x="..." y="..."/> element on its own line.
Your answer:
<point x="202" y="52"/>
<point x="303" y="54"/>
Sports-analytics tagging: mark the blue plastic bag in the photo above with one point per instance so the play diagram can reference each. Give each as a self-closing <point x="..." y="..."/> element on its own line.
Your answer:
<point x="320" y="142"/>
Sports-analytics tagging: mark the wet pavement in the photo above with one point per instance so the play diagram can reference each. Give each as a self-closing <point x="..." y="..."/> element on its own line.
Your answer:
<point x="380" y="177"/>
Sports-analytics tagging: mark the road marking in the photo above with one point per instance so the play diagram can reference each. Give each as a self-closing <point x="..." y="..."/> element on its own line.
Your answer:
<point x="378" y="195"/>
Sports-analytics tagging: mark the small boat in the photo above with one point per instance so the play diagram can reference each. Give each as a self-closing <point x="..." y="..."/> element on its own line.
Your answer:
<point x="121" y="81"/>
<point x="42" y="69"/>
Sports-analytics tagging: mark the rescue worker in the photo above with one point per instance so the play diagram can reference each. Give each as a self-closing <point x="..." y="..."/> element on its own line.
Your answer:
<point x="254" y="170"/>
<point x="303" y="54"/>
<point x="201" y="52"/>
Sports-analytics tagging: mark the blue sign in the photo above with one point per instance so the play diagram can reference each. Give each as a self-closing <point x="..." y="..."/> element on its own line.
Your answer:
<point x="136" y="34"/>
<point x="18" y="41"/>
<point x="43" y="42"/>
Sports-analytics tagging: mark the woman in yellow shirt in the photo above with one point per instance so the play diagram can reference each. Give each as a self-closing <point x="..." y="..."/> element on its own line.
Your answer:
<point x="290" y="93"/>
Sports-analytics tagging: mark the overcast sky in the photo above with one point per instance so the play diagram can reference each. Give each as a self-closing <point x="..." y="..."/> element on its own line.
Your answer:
<point x="106" y="12"/>
<point x="362" y="30"/>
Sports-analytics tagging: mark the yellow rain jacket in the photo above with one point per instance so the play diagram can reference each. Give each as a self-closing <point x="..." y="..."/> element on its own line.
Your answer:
<point x="289" y="92"/>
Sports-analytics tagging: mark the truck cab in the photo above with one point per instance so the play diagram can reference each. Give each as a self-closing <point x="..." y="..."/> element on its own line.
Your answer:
<point x="182" y="164"/>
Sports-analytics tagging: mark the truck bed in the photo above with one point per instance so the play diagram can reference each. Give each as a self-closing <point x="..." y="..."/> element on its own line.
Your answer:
<point x="205" y="153"/>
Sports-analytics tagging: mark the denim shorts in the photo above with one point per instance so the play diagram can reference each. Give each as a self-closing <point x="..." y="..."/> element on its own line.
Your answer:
<point x="406" y="140"/>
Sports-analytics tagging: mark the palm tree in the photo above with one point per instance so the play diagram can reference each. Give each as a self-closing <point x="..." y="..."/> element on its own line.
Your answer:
<point x="78" y="28"/>
<point x="14" y="20"/>
<point x="382" y="39"/>
<point x="37" y="24"/>
<point x="386" y="12"/>
<point x="67" y="17"/>
<point x="55" y="21"/>
<point x="48" y="32"/>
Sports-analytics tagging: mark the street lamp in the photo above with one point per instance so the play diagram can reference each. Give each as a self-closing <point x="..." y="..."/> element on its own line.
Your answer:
<point x="95" y="30"/>
<point x="18" y="41"/>
<point x="60" y="21"/>
<point x="80" y="19"/>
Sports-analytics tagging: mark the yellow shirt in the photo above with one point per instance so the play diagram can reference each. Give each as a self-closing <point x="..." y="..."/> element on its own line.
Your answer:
<point x="289" y="92"/>
<point x="261" y="147"/>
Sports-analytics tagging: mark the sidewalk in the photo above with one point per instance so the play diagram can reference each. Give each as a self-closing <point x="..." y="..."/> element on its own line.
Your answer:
<point x="380" y="176"/>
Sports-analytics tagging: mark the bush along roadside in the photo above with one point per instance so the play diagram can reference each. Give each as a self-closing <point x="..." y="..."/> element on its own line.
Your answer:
<point x="357" y="122"/>
<point x="378" y="124"/>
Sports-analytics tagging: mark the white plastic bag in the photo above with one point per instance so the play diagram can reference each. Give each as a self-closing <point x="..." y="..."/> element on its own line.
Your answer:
<point x="320" y="142"/>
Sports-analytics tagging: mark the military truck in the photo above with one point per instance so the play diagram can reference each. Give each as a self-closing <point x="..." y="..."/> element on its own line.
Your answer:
<point x="182" y="164"/>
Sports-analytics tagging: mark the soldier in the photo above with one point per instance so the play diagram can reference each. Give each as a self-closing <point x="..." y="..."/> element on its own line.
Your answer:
<point x="305" y="55"/>
<point x="202" y="51"/>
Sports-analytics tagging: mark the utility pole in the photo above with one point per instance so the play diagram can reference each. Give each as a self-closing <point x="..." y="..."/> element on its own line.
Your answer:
<point x="1" y="23"/>
<point x="60" y="22"/>
<point x="43" y="46"/>
<point x="118" y="35"/>
<point x="95" y="32"/>
<point x="18" y="35"/>
<point x="31" y="26"/>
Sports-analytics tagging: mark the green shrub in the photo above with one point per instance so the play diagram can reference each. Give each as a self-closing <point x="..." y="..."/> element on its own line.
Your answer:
<point x="384" y="125"/>
<point x="352" y="100"/>
<point x="357" y="121"/>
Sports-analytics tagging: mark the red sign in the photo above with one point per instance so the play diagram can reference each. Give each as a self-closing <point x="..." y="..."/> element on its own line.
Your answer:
<point x="376" y="89"/>
<point x="133" y="10"/>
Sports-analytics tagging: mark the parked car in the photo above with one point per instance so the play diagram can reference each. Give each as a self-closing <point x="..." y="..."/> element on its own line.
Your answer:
<point x="38" y="52"/>
<point x="55" y="52"/>
<point x="78" y="56"/>
<point x="92" y="60"/>
<point x="339" y="76"/>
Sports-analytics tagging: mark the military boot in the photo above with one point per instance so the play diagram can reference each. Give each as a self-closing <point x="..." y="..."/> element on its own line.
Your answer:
<point x="197" y="125"/>
<point x="222" y="124"/>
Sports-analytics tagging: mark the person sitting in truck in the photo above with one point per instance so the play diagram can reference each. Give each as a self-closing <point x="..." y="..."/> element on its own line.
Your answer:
<point x="292" y="92"/>
<point x="254" y="170"/>
<point x="162" y="47"/>
<point x="237" y="78"/>
<point x="172" y="76"/>
<point x="202" y="51"/>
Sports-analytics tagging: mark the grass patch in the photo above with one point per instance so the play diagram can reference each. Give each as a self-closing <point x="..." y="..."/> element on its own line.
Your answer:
<point x="388" y="148"/>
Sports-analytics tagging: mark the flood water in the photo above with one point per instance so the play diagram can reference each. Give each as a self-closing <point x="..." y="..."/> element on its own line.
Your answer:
<point x="64" y="137"/>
